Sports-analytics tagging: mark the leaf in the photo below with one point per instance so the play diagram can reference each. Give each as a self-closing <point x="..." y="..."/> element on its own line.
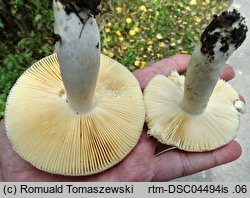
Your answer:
<point x="38" y="17"/>
<point x="1" y="24"/>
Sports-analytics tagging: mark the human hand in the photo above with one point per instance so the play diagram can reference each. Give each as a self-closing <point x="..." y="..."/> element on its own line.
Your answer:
<point x="141" y="164"/>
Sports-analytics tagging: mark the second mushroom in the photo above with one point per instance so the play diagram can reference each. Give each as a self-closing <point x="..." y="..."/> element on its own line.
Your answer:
<point x="198" y="112"/>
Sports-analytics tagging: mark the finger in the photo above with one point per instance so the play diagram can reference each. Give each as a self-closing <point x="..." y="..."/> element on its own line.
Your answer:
<point x="2" y="134"/>
<point x="2" y="126"/>
<point x="164" y="67"/>
<point x="5" y="148"/>
<point x="176" y="163"/>
<point x="227" y="73"/>
<point x="167" y="65"/>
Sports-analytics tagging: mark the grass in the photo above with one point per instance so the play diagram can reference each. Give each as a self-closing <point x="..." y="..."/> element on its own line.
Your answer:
<point x="148" y="30"/>
<point x="134" y="34"/>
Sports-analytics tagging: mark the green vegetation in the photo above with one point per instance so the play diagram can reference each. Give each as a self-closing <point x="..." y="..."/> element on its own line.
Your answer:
<point x="25" y="36"/>
<point x="133" y="32"/>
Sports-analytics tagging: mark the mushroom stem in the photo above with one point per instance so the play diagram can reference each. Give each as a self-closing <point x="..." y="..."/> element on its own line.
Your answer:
<point x="78" y="51"/>
<point x="219" y="40"/>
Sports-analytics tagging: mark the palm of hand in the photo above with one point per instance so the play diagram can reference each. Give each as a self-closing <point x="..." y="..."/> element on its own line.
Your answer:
<point x="141" y="164"/>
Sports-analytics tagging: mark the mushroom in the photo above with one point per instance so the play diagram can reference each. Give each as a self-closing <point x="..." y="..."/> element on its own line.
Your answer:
<point x="67" y="116"/>
<point x="198" y="112"/>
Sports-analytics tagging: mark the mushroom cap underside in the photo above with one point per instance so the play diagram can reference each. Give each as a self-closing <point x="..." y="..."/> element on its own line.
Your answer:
<point x="44" y="131"/>
<point x="170" y="125"/>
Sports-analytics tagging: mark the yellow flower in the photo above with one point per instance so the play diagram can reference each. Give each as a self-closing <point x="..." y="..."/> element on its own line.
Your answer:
<point x="193" y="2"/>
<point x="162" y="44"/>
<point x="159" y="55"/>
<point x="107" y="30"/>
<point x="159" y="36"/>
<point x="136" y="29"/>
<point x="118" y="10"/>
<point x="184" y="52"/>
<point x="132" y="32"/>
<point x="143" y="63"/>
<point x="143" y="8"/>
<point x="137" y="63"/>
<point x="121" y="38"/>
<point x="109" y="24"/>
<point x="173" y="44"/>
<point x="149" y="49"/>
<point x="107" y="40"/>
<point x="118" y="33"/>
<point x="110" y="54"/>
<point x="150" y="42"/>
<point x="198" y="19"/>
<point x="128" y="20"/>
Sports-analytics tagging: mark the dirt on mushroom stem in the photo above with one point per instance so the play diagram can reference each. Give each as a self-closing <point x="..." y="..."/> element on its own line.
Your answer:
<point x="226" y="20"/>
<point x="76" y="5"/>
<point x="219" y="40"/>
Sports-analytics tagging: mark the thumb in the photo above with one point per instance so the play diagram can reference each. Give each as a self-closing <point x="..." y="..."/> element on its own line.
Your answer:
<point x="164" y="67"/>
